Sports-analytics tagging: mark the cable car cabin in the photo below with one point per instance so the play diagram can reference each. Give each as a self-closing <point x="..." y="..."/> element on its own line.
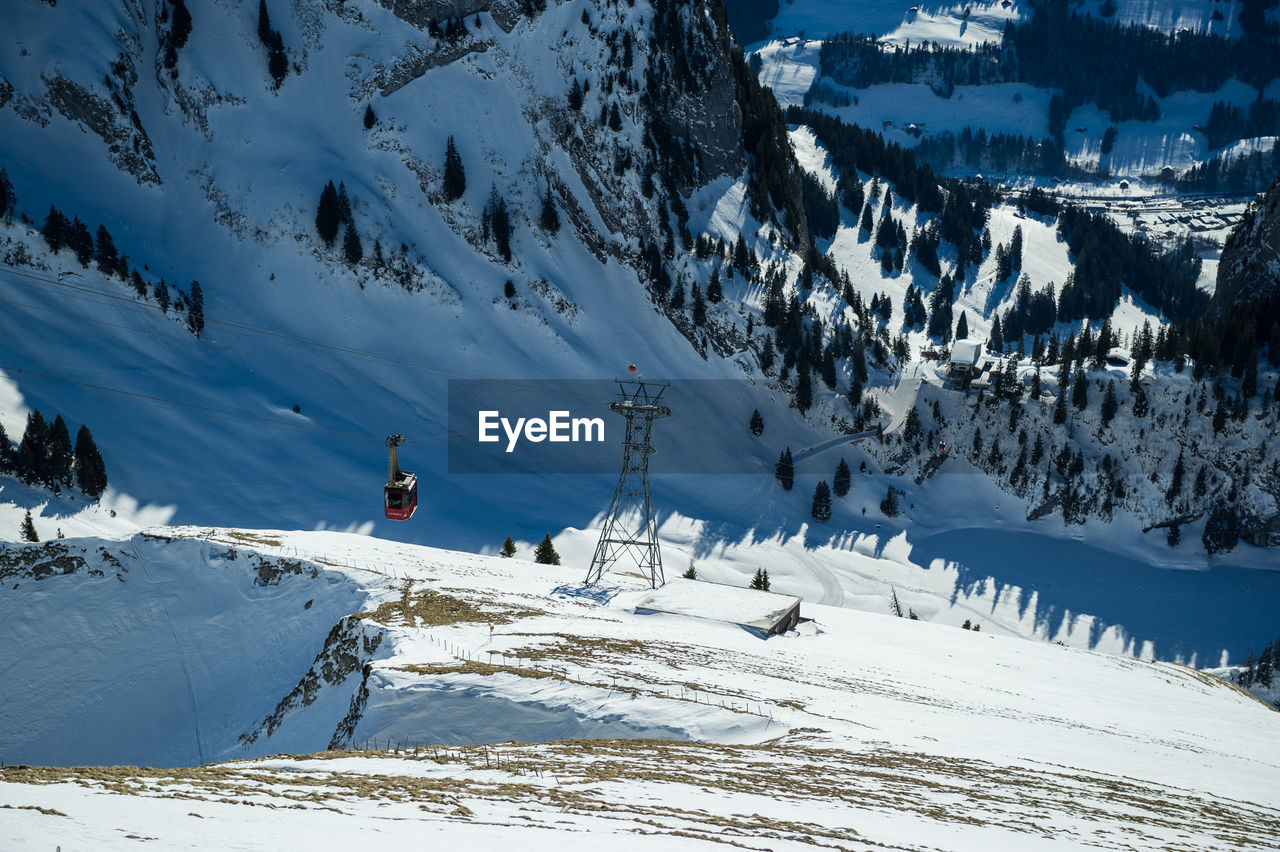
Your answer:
<point x="401" y="499"/>
<point x="400" y="495"/>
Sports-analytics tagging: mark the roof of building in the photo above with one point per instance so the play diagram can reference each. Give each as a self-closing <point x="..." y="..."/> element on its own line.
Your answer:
<point x="757" y="610"/>
<point x="965" y="352"/>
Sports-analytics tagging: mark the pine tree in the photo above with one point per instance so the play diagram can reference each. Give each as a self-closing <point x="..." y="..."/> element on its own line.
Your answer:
<point x="264" y="23"/>
<point x="545" y="554"/>
<point x="91" y="471"/>
<point x="1103" y="347"/>
<point x="757" y="423"/>
<point x="455" y="176"/>
<point x="1221" y="531"/>
<point x="962" y="327"/>
<point x="501" y="223"/>
<point x="370" y="119"/>
<point x="575" y="95"/>
<point x="889" y="505"/>
<point x="1109" y="404"/>
<point x="1080" y="390"/>
<point x="8" y="198"/>
<point x="195" y="310"/>
<point x="997" y="338"/>
<point x="549" y="219"/>
<point x="344" y="205"/>
<point x="162" y="296"/>
<point x="691" y="573"/>
<point x="912" y="431"/>
<point x="677" y="296"/>
<point x="508" y="548"/>
<point x="327" y="221"/>
<point x="55" y="230"/>
<point x="760" y="582"/>
<point x="821" y="507"/>
<point x="804" y="391"/>
<point x="840" y="482"/>
<point x="615" y="118"/>
<point x="352" y="249"/>
<point x="28" y="529"/>
<point x="33" y="451"/>
<point x="60" y="454"/>
<point x="8" y="454"/>
<point x="714" y="291"/>
<point x="181" y="30"/>
<point x="277" y="59"/>
<point x="81" y="242"/>
<point x="785" y="471"/>
<point x="105" y="253"/>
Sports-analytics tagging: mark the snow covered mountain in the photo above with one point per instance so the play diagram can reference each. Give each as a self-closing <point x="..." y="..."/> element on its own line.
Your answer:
<point x="855" y="730"/>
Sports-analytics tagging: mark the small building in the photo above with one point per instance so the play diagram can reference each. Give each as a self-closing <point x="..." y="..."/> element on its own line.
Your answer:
<point x="1118" y="357"/>
<point x="762" y="613"/>
<point x="964" y="362"/>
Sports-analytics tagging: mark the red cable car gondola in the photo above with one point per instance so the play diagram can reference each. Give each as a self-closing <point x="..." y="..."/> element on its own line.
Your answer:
<point x="400" y="496"/>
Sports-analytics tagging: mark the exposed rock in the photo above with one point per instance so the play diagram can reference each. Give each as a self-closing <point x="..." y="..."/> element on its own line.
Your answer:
<point x="129" y="146"/>
<point x="1250" y="265"/>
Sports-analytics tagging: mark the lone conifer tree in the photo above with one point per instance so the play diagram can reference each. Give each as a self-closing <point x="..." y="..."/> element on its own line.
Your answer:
<point x="889" y="505"/>
<point x="455" y="176"/>
<point x="962" y="327"/>
<point x="840" y="483"/>
<point x="549" y="219"/>
<point x="369" y="118"/>
<point x="277" y="59"/>
<point x="195" y="310"/>
<point x="28" y="529"/>
<point x="545" y="554"/>
<point x="821" y="508"/>
<point x="508" y="548"/>
<point x="760" y="581"/>
<point x="757" y="423"/>
<point x="91" y="471"/>
<point x="691" y="574"/>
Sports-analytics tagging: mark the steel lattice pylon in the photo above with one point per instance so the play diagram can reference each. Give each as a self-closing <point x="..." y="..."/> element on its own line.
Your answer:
<point x="629" y="526"/>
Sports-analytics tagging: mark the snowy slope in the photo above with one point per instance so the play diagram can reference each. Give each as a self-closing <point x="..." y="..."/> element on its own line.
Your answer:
<point x="888" y="731"/>
<point x="206" y="432"/>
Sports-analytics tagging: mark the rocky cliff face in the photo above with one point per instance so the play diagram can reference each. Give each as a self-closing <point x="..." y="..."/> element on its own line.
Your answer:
<point x="1250" y="268"/>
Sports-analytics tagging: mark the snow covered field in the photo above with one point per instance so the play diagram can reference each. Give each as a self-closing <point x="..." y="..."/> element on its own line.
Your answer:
<point x="857" y="730"/>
